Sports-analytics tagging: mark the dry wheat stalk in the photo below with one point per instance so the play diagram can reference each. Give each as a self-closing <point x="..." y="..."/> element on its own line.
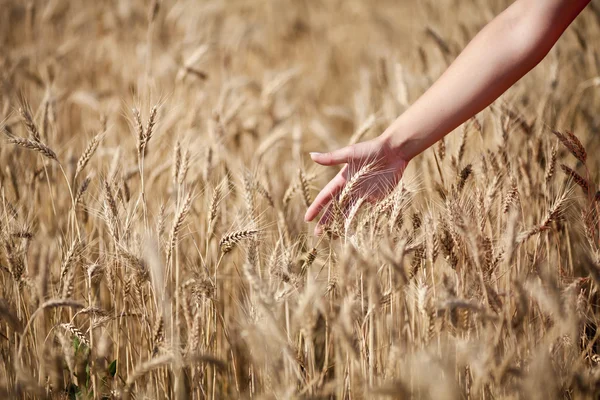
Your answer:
<point x="176" y="161"/>
<point x="352" y="214"/>
<point x="160" y="223"/>
<point x="76" y="332"/>
<point x="28" y="121"/>
<point x="213" y="214"/>
<point x="149" y="131"/>
<point x="158" y="335"/>
<point x="578" y="179"/>
<point x="45" y="117"/>
<point x="311" y="256"/>
<point x="511" y="198"/>
<point x="305" y="189"/>
<point x="555" y="211"/>
<point x="294" y="187"/>
<point x="361" y="174"/>
<point x="461" y="147"/>
<point x="551" y="165"/>
<point x="88" y="153"/>
<point x="137" y="119"/>
<point x="82" y="189"/>
<point x="231" y="187"/>
<point x="178" y="224"/>
<point x="572" y="143"/>
<point x="110" y="210"/>
<point x="463" y="176"/>
<point x="70" y="258"/>
<point x="262" y="190"/>
<point x="35" y="146"/>
<point x="229" y="241"/>
<point x="208" y="163"/>
<point x="249" y="196"/>
<point x="183" y="170"/>
<point x="441" y="149"/>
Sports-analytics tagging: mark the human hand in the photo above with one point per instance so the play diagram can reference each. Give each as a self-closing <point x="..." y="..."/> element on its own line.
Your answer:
<point x="371" y="171"/>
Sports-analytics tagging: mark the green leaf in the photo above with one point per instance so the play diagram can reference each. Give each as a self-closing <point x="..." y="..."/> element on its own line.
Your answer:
<point x="87" y="376"/>
<point x="112" y="368"/>
<point x="76" y="343"/>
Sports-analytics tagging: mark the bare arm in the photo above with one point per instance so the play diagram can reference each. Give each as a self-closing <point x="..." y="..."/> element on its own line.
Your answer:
<point x="502" y="53"/>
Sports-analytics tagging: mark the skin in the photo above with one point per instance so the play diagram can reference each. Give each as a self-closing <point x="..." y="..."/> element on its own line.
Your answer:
<point x="504" y="51"/>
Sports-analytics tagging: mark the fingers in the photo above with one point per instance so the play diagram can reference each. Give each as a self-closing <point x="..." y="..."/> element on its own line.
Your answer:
<point x="326" y="194"/>
<point x="335" y="157"/>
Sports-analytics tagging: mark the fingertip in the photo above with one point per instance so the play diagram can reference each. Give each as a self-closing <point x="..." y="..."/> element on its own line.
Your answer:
<point x="307" y="216"/>
<point x="310" y="213"/>
<point x="325" y="159"/>
<point x="316" y="157"/>
<point x="321" y="162"/>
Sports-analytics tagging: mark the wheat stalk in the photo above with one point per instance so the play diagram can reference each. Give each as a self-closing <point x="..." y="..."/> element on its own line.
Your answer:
<point x="229" y="241"/>
<point x="35" y="146"/>
<point x="354" y="181"/>
<point x="88" y="153"/>
<point x="578" y="179"/>
<point x="28" y="121"/>
<point x="572" y="143"/>
<point x="305" y="188"/>
<point x="178" y="224"/>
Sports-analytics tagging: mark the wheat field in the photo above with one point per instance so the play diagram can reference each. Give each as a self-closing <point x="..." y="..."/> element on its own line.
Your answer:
<point x="154" y="174"/>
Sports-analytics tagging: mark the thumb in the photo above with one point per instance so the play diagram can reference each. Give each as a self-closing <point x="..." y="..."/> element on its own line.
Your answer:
<point x="340" y="156"/>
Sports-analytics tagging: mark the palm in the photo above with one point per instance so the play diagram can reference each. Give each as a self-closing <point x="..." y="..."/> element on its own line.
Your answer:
<point x="370" y="172"/>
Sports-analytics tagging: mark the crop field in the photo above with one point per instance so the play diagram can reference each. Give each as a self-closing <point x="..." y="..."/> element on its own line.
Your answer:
<point x="155" y="172"/>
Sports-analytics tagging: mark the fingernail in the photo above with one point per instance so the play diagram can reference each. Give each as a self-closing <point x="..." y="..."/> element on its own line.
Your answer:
<point x="314" y="154"/>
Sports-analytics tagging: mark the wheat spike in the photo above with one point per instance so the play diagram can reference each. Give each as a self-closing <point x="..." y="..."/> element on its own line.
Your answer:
<point x="149" y="131"/>
<point x="305" y="188"/>
<point x="551" y="165"/>
<point x="572" y="143"/>
<point x="213" y="214"/>
<point x="137" y="119"/>
<point x="578" y="179"/>
<point x="183" y="170"/>
<point x="82" y="189"/>
<point x="176" y="161"/>
<point x="229" y="241"/>
<point x="28" y="121"/>
<point x="76" y="332"/>
<point x="178" y="223"/>
<point x="88" y="153"/>
<point x="35" y="146"/>
<point x="361" y="174"/>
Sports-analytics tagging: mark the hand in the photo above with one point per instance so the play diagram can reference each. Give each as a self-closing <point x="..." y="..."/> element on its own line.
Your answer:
<point x="385" y="170"/>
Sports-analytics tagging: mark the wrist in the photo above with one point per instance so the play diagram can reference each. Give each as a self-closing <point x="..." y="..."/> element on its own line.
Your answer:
<point x="396" y="143"/>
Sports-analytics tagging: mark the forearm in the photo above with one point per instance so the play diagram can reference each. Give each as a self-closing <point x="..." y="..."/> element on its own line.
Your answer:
<point x="505" y="50"/>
